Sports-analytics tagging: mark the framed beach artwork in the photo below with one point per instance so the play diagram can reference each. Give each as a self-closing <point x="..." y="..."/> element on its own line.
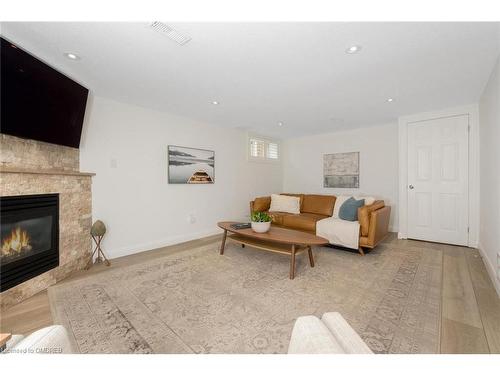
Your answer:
<point x="341" y="170"/>
<point x="190" y="165"/>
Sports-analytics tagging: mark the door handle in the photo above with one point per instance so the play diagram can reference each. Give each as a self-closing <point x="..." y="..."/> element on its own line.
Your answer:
<point x="411" y="187"/>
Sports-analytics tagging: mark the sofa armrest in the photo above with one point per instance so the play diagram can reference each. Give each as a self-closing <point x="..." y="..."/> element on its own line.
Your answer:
<point x="379" y="225"/>
<point x="260" y="204"/>
<point x="14" y="340"/>
<point x="345" y="335"/>
<point x="311" y="336"/>
<point x="49" y="340"/>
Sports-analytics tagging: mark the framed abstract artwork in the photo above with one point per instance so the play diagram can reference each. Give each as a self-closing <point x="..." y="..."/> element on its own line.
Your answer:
<point x="341" y="170"/>
<point x="190" y="165"/>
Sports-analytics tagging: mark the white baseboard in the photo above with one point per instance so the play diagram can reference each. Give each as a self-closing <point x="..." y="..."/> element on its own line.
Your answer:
<point x="491" y="268"/>
<point x="402" y="236"/>
<point x="138" y="248"/>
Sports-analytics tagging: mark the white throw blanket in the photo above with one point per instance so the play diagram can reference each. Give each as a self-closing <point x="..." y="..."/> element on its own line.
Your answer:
<point x="339" y="232"/>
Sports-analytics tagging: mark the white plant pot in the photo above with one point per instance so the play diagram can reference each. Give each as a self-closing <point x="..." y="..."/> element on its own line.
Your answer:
<point x="261" y="227"/>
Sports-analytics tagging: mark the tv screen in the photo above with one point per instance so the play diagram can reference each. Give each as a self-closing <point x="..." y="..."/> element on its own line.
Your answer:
<point x="37" y="101"/>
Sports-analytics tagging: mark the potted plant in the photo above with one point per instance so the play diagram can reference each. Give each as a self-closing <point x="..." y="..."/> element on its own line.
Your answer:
<point x="261" y="222"/>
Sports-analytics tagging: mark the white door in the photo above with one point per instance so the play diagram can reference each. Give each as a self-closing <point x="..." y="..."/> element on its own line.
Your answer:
<point x="438" y="180"/>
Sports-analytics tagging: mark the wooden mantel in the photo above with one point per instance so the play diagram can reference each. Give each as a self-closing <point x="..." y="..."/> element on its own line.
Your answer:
<point x="4" y="169"/>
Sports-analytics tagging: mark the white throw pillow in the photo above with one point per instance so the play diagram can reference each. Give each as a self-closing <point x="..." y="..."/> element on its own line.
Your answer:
<point x="368" y="200"/>
<point x="285" y="203"/>
<point x="339" y="202"/>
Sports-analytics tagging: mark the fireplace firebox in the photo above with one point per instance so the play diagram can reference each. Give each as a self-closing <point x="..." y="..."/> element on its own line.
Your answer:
<point x="29" y="226"/>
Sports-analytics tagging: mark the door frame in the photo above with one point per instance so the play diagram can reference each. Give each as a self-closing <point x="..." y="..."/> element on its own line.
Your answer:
<point x="473" y="112"/>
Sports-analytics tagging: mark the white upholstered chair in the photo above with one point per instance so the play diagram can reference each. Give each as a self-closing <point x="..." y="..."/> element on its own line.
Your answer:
<point x="48" y="340"/>
<point x="330" y="335"/>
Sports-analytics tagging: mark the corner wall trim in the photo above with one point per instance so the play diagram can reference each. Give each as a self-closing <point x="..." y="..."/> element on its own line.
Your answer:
<point x="490" y="268"/>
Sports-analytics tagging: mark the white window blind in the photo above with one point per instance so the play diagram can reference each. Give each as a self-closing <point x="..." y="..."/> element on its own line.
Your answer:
<point x="263" y="149"/>
<point x="257" y="148"/>
<point x="272" y="151"/>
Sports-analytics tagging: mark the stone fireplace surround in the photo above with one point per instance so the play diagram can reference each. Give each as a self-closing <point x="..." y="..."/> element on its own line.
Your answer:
<point x="30" y="167"/>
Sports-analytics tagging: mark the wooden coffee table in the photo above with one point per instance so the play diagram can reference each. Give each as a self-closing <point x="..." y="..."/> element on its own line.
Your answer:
<point x="277" y="240"/>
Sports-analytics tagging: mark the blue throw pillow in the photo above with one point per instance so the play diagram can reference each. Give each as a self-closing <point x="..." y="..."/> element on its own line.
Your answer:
<point x="349" y="210"/>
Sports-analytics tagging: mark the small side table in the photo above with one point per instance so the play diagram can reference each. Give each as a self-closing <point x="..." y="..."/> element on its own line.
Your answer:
<point x="4" y="337"/>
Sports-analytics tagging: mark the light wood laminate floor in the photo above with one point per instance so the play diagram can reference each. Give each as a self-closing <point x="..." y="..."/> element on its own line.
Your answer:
<point x="470" y="314"/>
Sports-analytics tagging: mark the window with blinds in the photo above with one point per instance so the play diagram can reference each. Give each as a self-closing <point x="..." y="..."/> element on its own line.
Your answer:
<point x="263" y="149"/>
<point x="257" y="148"/>
<point x="272" y="151"/>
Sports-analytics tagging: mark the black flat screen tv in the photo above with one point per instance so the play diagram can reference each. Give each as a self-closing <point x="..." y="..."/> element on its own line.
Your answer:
<point x="37" y="101"/>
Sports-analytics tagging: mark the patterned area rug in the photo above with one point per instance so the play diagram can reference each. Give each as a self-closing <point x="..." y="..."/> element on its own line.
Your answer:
<point x="197" y="301"/>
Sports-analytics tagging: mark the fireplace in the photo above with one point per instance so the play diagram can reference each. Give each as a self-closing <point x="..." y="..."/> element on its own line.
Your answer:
<point x="29" y="237"/>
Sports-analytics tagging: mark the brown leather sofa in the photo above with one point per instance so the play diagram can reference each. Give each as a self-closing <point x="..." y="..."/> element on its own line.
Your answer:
<point x="373" y="219"/>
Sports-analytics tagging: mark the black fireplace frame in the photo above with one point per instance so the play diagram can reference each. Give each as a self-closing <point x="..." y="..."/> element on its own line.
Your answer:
<point x="14" y="207"/>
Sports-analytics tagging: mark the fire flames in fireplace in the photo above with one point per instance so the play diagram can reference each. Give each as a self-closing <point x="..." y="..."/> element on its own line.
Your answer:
<point x="29" y="237"/>
<point x="17" y="243"/>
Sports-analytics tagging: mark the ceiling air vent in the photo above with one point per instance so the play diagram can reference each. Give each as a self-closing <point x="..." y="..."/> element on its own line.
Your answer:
<point x="172" y="33"/>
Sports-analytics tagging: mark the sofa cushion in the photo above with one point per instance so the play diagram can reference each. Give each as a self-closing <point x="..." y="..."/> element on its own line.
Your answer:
<point x="338" y="203"/>
<point x="349" y="210"/>
<point x="300" y="196"/>
<point x="283" y="203"/>
<point x="278" y="217"/>
<point x="304" y="221"/>
<point x="318" y="204"/>
<point x="364" y="215"/>
<point x="261" y="204"/>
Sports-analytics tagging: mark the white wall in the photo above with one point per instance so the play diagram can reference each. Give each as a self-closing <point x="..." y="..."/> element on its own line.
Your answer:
<point x="489" y="135"/>
<point x="378" y="147"/>
<point x="140" y="209"/>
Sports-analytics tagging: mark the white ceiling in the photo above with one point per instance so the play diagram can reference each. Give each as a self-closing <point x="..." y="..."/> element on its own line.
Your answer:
<point x="263" y="73"/>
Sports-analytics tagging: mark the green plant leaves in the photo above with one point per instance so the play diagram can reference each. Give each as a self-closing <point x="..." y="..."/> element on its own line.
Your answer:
<point x="260" y="217"/>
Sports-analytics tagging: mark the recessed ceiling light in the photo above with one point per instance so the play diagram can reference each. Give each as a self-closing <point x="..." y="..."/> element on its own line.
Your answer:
<point x="280" y="123"/>
<point x="215" y="102"/>
<point x="390" y="100"/>
<point x="353" y="49"/>
<point x="72" y="56"/>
